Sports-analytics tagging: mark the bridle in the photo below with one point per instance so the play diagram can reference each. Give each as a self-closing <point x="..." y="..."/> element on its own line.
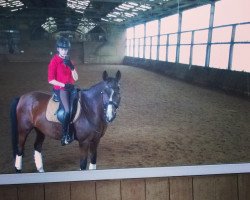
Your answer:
<point x="110" y="104"/>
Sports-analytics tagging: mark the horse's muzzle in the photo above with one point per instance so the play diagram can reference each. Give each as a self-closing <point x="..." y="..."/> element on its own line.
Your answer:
<point x="110" y="112"/>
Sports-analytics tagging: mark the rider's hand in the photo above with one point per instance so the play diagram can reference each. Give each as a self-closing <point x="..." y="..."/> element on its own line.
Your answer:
<point x="69" y="87"/>
<point x="68" y="62"/>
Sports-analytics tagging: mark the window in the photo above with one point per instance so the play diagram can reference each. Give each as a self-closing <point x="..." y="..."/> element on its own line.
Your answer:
<point x="130" y="45"/>
<point x="196" y="18"/>
<point x="195" y="23"/>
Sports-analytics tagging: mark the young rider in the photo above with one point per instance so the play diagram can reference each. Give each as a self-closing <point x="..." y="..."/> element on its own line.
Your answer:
<point x="62" y="75"/>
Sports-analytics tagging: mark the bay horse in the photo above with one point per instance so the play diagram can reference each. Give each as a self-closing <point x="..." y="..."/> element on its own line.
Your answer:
<point x="99" y="104"/>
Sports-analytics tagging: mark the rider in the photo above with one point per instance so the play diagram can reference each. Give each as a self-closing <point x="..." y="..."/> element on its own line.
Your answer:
<point x="62" y="75"/>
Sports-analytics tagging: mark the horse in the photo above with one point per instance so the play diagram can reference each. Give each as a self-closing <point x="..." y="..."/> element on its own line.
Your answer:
<point x="99" y="105"/>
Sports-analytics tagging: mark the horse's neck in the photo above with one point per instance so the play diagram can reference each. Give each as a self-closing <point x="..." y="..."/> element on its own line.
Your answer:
<point x="94" y="93"/>
<point x="92" y="101"/>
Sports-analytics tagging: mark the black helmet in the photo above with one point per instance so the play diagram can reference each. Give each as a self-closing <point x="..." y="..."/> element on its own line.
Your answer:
<point x="63" y="42"/>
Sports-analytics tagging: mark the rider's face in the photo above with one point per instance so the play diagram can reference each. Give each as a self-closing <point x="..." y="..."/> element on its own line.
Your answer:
<point x="62" y="52"/>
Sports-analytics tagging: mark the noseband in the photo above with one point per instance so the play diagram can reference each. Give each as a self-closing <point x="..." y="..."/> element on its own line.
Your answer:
<point x="111" y="103"/>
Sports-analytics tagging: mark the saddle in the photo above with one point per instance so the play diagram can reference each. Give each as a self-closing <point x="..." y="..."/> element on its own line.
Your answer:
<point x="55" y="111"/>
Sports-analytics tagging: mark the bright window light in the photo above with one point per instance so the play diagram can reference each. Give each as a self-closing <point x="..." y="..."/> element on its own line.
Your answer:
<point x="196" y="18"/>
<point x="152" y="28"/>
<point x="231" y="11"/>
<point x="226" y="12"/>
<point x="130" y="33"/>
<point x="199" y="55"/>
<point x="126" y="10"/>
<point x="15" y="4"/>
<point x="169" y="24"/>
<point x="50" y="25"/>
<point x="241" y="58"/>
<point x="78" y="5"/>
<point x="139" y="31"/>
<point x="82" y="28"/>
<point x="219" y="56"/>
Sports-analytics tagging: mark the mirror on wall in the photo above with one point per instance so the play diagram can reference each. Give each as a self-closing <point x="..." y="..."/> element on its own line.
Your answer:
<point x="160" y="121"/>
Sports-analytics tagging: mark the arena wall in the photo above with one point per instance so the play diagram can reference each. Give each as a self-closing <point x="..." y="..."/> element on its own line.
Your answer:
<point x="91" y="50"/>
<point x="233" y="82"/>
<point x="107" y="51"/>
<point x="221" y="187"/>
<point x="203" y="182"/>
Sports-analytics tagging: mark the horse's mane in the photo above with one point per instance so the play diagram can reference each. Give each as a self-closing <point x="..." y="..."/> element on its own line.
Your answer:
<point x="92" y="89"/>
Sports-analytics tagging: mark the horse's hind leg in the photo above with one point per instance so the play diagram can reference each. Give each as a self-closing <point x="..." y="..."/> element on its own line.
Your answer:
<point x="23" y="133"/>
<point x="38" y="149"/>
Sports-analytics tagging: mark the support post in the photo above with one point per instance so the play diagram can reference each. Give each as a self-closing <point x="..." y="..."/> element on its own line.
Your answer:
<point x="167" y="47"/>
<point x="133" y="41"/>
<point x="150" y="48"/>
<point x="144" y="45"/>
<point x="191" y="49"/>
<point x="178" y="38"/>
<point x="158" y="40"/>
<point x="231" y="50"/>
<point x="210" y="33"/>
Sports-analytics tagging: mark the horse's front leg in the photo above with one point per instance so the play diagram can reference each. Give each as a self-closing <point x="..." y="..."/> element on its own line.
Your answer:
<point x="93" y="154"/>
<point x="84" y="147"/>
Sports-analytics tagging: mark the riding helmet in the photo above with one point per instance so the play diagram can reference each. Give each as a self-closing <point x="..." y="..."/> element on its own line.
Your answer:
<point x="63" y="42"/>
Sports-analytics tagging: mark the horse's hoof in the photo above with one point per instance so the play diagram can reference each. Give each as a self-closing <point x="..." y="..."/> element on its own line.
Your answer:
<point x="18" y="171"/>
<point x="92" y="166"/>
<point x="40" y="171"/>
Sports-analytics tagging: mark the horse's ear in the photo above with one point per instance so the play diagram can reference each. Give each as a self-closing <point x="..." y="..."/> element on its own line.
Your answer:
<point x="105" y="75"/>
<point x="118" y="75"/>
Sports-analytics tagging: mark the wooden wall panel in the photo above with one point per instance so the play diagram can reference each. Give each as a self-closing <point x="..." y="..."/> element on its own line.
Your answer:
<point x="226" y="187"/>
<point x="218" y="187"/>
<point x="83" y="190"/>
<point x="108" y="190"/>
<point x="8" y="192"/>
<point x="133" y="189"/>
<point x="157" y="189"/>
<point x="57" y="191"/>
<point x="204" y="188"/>
<point x="31" y="192"/>
<point x="244" y="186"/>
<point x="181" y="188"/>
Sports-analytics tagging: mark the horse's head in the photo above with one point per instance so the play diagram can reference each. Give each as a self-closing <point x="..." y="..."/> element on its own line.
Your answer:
<point x="111" y="95"/>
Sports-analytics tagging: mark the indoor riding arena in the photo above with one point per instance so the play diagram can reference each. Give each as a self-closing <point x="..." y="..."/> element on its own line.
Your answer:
<point x="180" y="106"/>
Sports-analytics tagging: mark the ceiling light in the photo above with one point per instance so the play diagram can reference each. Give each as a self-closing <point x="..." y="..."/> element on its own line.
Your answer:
<point x="133" y="3"/>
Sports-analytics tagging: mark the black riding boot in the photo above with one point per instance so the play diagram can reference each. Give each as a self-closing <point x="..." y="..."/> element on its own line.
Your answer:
<point x="65" y="131"/>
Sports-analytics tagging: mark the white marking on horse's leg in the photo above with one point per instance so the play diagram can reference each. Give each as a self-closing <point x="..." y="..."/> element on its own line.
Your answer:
<point x="92" y="166"/>
<point x="110" y="107"/>
<point x="18" y="162"/>
<point x="38" y="161"/>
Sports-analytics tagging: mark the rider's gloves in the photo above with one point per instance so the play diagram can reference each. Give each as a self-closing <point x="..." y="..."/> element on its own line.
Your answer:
<point x="68" y="87"/>
<point x="68" y="62"/>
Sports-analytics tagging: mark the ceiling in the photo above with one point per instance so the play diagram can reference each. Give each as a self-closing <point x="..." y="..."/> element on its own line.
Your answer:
<point x="83" y="15"/>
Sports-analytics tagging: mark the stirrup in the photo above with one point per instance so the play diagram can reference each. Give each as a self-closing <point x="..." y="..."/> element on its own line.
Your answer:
<point x="64" y="140"/>
<point x="67" y="139"/>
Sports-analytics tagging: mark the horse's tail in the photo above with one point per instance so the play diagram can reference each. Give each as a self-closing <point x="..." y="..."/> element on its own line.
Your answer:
<point x="13" y="119"/>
